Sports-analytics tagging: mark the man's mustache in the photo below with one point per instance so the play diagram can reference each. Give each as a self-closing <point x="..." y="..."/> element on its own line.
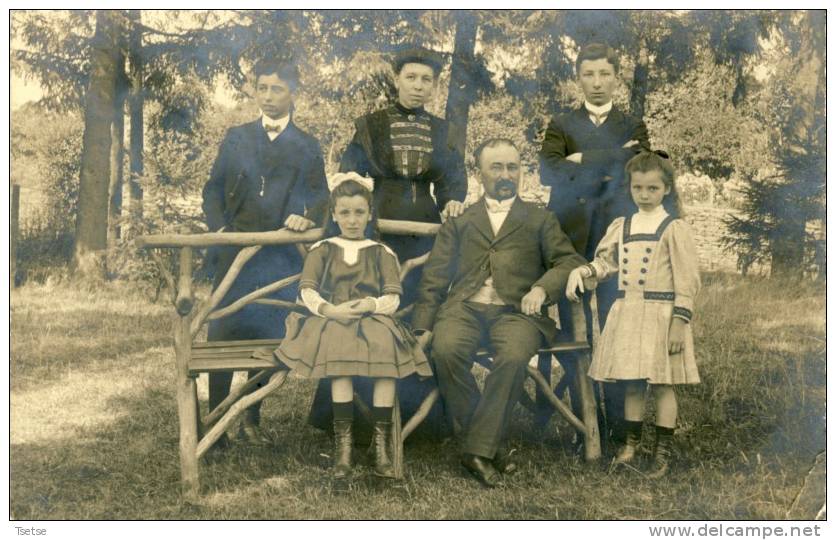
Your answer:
<point x="505" y="184"/>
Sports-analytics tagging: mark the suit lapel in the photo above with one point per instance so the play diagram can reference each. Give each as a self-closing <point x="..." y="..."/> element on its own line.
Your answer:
<point x="255" y="133"/>
<point x="582" y="117"/>
<point x="615" y="118"/>
<point x="481" y="221"/>
<point x="256" y="140"/>
<point x="513" y="221"/>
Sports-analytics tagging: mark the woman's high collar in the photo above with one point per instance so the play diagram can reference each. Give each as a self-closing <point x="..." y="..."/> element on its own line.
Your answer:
<point x="407" y="110"/>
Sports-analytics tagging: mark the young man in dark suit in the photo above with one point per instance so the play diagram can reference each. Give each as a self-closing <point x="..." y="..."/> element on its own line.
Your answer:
<point x="584" y="152"/>
<point x="269" y="174"/>
<point x="582" y="159"/>
<point x="490" y="273"/>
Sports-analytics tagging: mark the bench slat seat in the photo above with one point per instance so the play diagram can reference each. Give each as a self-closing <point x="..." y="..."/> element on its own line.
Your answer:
<point x="558" y="348"/>
<point x="239" y="344"/>
<point x="225" y="356"/>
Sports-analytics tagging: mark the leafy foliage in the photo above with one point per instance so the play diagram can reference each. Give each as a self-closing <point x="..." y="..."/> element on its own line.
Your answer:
<point x="694" y="121"/>
<point x="45" y="162"/>
<point x="54" y="50"/>
<point x="176" y="167"/>
<point x="693" y="73"/>
<point x="779" y="209"/>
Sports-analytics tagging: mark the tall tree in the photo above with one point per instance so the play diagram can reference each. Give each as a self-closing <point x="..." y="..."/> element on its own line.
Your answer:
<point x="117" y="157"/>
<point x="136" y="104"/>
<point x="463" y="83"/>
<point x="801" y="150"/>
<point x="91" y="223"/>
<point x="117" y="136"/>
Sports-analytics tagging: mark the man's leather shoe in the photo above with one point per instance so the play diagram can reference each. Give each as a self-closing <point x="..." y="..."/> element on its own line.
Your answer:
<point x="503" y="463"/>
<point x="482" y="469"/>
<point x="253" y="435"/>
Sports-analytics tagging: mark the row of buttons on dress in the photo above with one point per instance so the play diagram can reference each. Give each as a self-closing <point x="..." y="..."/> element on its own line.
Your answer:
<point x="643" y="270"/>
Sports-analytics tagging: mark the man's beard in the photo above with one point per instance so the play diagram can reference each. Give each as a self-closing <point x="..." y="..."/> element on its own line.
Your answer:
<point x="505" y="184"/>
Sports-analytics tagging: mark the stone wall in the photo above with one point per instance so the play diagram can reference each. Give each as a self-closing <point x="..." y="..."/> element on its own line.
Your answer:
<point x="709" y="229"/>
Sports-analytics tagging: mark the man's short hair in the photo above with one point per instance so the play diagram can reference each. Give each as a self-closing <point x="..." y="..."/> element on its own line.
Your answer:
<point x="492" y="143"/>
<point x="283" y="69"/>
<point x="596" y="51"/>
<point x="418" y="56"/>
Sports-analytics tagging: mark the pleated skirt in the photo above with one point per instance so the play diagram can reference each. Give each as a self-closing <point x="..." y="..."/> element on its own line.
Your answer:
<point x="373" y="346"/>
<point x="634" y="345"/>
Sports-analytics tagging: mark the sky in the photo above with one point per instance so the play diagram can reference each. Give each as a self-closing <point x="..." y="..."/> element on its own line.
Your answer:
<point x="23" y="91"/>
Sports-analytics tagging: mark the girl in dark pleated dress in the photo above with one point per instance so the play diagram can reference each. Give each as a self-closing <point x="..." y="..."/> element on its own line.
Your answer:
<point x="351" y="287"/>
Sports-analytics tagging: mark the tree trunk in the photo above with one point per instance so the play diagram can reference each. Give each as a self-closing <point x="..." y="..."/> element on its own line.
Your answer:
<point x="462" y="91"/>
<point x="638" y="91"/>
<point x="740" y="83"/>
<point x="91" y="223"/>
<point x="117" y="155"/>
<point x="14" y="230"/>
<point x="136" y="100"/>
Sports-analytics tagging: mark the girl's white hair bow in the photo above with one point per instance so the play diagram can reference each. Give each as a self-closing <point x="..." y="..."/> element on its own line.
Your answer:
<point x="337" y="179"/>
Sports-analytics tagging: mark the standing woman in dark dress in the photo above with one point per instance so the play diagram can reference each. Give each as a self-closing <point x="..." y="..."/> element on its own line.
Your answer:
<point x="407" y="152"/>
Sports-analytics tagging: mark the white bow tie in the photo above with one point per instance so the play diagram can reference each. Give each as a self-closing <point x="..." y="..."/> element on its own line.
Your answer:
<point x="499" y="207"/>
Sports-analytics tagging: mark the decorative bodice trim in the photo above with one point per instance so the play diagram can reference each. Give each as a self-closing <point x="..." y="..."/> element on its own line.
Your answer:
<point x="655" y="237"/>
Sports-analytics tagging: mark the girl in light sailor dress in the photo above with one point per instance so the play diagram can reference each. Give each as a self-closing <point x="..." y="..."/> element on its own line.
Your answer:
<point x="351" y="286"/>
<point x="647" y="338"/>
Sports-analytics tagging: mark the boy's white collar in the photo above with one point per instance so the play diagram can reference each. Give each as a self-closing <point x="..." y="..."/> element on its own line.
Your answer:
<point x="598" y="110"/>
<point x="280" y="122"/>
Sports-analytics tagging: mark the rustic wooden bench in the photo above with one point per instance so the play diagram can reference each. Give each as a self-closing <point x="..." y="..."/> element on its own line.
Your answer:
<point x="197" y="435"/>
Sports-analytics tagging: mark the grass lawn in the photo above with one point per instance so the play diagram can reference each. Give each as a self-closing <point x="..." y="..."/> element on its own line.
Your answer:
<point x="94" y="429"/>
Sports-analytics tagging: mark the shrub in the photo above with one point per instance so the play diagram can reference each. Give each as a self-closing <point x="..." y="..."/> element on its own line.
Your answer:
<point x="42" y="250"/>
<point x="176" y="167"/>
<point x="46" y="161"/>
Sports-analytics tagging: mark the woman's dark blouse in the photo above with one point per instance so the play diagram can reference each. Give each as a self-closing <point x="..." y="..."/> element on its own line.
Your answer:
<point x="406" y="151"/>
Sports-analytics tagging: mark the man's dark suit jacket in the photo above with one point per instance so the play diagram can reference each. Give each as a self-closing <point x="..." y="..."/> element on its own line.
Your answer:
<point x="254" y="186"/>
<point x="290" y="169"/>
<point x="587" y="197"/>
<point x="529" y="249"/>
